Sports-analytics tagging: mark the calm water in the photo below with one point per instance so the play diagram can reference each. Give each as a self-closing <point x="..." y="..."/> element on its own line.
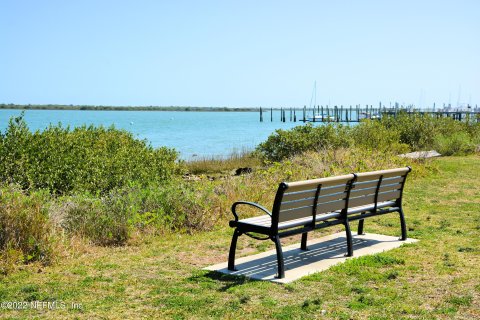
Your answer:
<point x="193" y="134"/>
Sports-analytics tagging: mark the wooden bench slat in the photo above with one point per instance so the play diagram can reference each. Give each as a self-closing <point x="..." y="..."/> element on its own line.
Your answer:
<point x="258" y="218"/>
<point x="308" y="211"/>
<point x="372" y="190"/>
<point x="332" y="197"/>
<point x="296" y="204"/>
<point x="331" y="206"/>
<point x="307" y="220"/>
<point x="374" y="183"/>
<point x="390" y="195"/>
<point x="365" y="176"/>
<point x="286" y="205"/>
<point x="362" y="192"/>
<point x="368" y="207"/>
<point x="295" y="214"/>
<point x="312" y="184"/>
<point x="264" y="220"/>
<point x="390" y="187"/>
<point x="299" y="195"/>
<point x="310" y="193"/>
<point x="363" y="200"/>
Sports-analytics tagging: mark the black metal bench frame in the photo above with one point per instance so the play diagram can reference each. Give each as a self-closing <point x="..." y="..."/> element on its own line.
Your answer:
<point x="342" y="216"/>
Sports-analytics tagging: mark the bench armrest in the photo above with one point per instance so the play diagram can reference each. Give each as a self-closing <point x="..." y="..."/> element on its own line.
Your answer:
<point x="253" y="204"/>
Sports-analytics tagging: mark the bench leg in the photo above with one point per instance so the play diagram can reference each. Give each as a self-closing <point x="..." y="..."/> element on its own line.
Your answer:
<point x="233" y="247"/>
<point x="281" y="267"/>
<point x="360" y="227"/>
<point x="349" y="239"/>
<point x="403" y="225"/>
<point x="303" y="246"/>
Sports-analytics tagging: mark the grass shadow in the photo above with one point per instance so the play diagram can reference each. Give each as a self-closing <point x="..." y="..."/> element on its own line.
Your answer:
<point x="227" y="280"/>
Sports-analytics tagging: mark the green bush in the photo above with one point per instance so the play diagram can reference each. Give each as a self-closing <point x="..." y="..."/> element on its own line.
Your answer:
<point x="177" y="205"/>
<point x="111" y="218"/>
<point x="12" y="157"/>
<point x="91" y="218"/>
<point x="287" y="143"/>
<point x="94" y="159"/>
<point x="415" y="130"/>
<point x="26" y="232"/>
<point x="421" y="132"/>
<point x="373" y="135"/>
<point x="457" y="143"/>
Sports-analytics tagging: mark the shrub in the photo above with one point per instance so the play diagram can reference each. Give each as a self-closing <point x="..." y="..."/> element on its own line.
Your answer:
<point x="287" y="143"/>
<point x="26" y="232"/>
<point x="179" y="205"/>
<point x="458" y="143"/>
<point x="94" y="159"/>
<point x="414" y="130"/>
<point x="421" y="132"/>
<point x="93" y="219"/>
<point x="12" y="157"/>
<point x="111" y="218"/>
<point x="374" y="135"/>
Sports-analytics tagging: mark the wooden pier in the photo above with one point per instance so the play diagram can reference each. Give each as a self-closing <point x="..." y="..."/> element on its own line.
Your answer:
<point x="358" y="113"/>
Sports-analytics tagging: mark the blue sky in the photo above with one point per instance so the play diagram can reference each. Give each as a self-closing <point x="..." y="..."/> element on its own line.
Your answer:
<point x="239" y="53"/>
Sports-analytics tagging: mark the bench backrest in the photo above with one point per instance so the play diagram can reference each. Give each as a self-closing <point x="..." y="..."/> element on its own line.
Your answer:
<point x="378" y="186"/>
<point x="308" y="198"/>
<point x="304" y="198"/>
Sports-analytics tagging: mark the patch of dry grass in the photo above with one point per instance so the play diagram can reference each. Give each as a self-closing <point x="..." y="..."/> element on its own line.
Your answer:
<point x="220" y="165"/>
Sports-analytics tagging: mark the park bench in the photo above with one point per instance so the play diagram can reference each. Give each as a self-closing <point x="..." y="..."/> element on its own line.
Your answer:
<point x="303" y="206"/>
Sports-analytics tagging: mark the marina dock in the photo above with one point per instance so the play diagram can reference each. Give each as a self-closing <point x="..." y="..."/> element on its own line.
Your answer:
<point x="358" y="113"/>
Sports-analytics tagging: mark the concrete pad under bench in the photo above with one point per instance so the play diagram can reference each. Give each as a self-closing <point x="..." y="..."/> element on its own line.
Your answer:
<point x="323" y="253"/>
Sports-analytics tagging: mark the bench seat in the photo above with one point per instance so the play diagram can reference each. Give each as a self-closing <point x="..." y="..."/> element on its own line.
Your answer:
<point x="265" y="221"/>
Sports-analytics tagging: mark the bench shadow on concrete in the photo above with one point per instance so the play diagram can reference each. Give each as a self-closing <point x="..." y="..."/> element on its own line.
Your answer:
<point x="266" y="266"/>
<point x="293" y="259"/>
<point x="322" y="253"/>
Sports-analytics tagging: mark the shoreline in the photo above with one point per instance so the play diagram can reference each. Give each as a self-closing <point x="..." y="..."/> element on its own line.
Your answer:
<point x="121" y="108"/>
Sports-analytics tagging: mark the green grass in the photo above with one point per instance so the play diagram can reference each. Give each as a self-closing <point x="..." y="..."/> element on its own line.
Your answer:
<point x="162" y="276"/>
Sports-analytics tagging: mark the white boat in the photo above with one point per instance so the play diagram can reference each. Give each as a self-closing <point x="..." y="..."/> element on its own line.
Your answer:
<point x="321" y="118"/>
<point x="373" y="116"/>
